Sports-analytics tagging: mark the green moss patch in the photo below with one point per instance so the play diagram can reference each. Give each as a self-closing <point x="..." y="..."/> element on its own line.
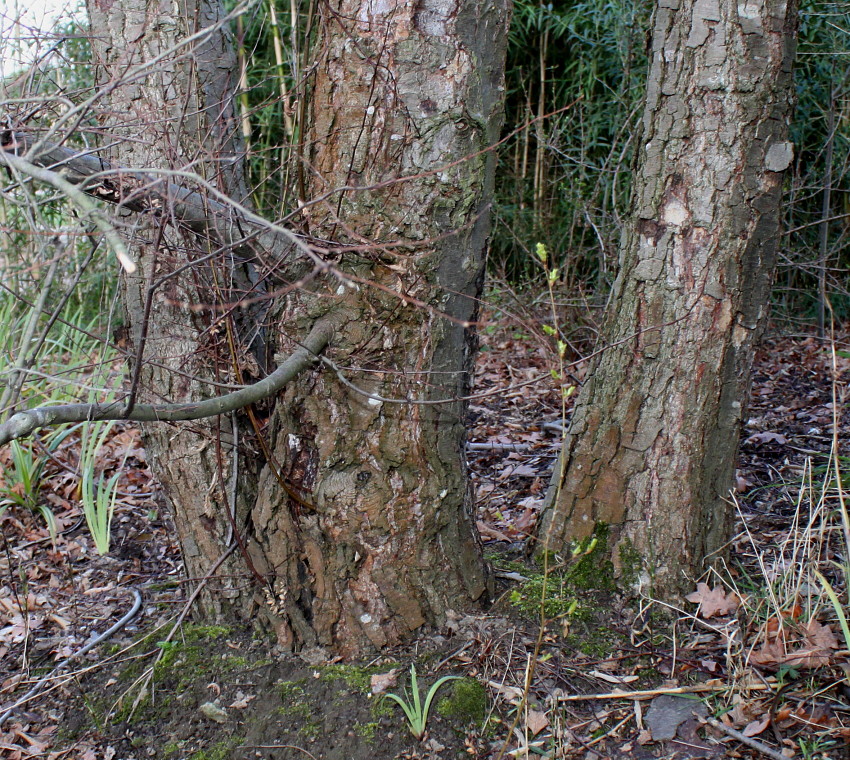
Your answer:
<point x="467" y="702"/>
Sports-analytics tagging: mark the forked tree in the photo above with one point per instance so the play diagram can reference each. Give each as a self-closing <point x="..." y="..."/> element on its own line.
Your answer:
<point x="351" y="512"/>
<point x="650" y="452"/>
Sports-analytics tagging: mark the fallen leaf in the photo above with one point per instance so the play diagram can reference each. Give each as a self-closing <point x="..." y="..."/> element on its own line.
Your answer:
<point x="714" y="601"/>
<point x="767" y="437"/>
<point x="383" y="681"/>
<point x="815" y="650"/>
<point x="756" y="727"/>
<point x="486" y="530"/>
<point x="536" y="721"/>
<point x="821" y="636"/>
<point x="742" y="484"/>
<point x="242" y="700"/>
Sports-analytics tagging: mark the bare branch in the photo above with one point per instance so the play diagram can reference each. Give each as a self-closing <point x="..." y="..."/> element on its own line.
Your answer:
<point x="24" y="424"/>
<point x="225" y="221"/>
<point x="78" y="198"/>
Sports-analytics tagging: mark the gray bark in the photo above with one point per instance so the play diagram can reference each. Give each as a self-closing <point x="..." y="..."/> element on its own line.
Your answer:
<point x="651" y="446"/>
<point x="166" y="74"/>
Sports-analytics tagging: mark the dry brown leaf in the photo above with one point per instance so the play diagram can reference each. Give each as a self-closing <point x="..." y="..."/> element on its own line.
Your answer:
<point x="714" y="601"/>
<point x="821" y="636"/>
<point x="756" y="727"/>
<point x="242" y="700"/>
<point x="536" y="721"/>
<point x="486" y="530"/>
<point x="767" y="437"/>
<point x="383" y="681"/>
<point x="817" y="642"/>
<point x="771" y="654"/>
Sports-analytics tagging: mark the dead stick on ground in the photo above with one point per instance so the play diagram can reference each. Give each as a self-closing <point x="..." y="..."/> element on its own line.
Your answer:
<point x="748" y="740"/>
<point x="649" y="693"/>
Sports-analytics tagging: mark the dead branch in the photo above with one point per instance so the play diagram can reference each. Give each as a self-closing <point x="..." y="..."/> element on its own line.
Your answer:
<point x="25" y="423"/>
<point x="209" y="214"/>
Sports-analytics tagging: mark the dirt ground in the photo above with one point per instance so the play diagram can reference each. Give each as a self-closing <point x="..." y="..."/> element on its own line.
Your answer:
<point x="211" y="693"/>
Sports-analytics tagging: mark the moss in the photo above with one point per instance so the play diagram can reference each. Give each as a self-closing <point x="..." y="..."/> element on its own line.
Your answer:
<point x="367" y="731"/>
<point x="298" y="709"/>
<point x="558" y="599"/>
<point x="382" y="707"/>
<point x="182" y="663"/>
<point x="631" y="564"/>
<point x="588" y="569"/>
<point x="592" y="569"/>
<point x="296" y="703"/>
<point x="218" y="751"/>
<point x="289" y="690"/>
<point x="467" y="703"/>
<point x="594" y="643"/>
<point x="354" y="676"/>
<point x="171" y="748"/>
<point x="311" y="729"/>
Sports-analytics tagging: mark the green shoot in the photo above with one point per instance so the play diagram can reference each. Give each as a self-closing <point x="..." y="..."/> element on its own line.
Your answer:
<point x="23" y="483"/>
<point x="415" y="711"/>
<point x="98" y="501"/>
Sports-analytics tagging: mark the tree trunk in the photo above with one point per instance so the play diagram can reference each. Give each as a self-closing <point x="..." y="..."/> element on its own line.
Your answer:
<point x="650" y="454"/>
<point x="169" y="99"/>
<point x="358" y="526"/>
<point x="406" y="97"/>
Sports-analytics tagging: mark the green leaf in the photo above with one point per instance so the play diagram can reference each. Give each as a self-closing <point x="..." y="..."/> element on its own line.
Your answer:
<point x="542" y="253"/>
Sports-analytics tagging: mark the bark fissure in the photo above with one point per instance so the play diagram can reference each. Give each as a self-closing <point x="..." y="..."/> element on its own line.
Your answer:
<point x="651" y="445"/>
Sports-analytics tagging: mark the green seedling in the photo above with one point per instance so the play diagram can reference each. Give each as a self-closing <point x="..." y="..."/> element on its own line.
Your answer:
<point x="23" y="479"/>
<point x="98" y="500"/>
<point x="414" y="709"/>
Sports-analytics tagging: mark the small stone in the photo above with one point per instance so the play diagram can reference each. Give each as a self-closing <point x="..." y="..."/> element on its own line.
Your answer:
<point x="212" y="711"/>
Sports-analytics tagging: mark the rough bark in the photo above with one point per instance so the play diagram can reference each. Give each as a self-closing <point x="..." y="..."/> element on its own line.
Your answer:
<point x="408" y="95"/>
<point x="651" y="446"/>
<point x="166" y="74"/>
<point x="359" y="525"/>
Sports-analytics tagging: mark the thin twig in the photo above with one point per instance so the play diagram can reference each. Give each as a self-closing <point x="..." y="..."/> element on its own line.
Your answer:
<point x="748" y="740"/>
<point x="649" y="693"/>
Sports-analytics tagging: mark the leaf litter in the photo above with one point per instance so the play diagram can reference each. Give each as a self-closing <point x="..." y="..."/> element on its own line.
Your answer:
<point x="756" y="647"/>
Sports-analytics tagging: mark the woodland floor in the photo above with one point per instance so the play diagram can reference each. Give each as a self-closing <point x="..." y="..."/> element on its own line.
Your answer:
<point x="757" y="651"/>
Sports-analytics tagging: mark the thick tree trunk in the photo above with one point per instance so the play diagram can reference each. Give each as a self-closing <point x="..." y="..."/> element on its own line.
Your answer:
<point x="651" y="448"/>
<point x="406" y="94"/>
<point x="167" y="74"/>
<point x="359" y="526"/>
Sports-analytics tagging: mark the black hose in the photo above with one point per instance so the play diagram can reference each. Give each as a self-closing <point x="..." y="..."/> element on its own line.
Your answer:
<point x="134" y="610"/>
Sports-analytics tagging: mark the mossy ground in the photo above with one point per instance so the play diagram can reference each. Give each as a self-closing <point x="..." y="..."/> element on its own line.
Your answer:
<point x="467" y="702"/>
<point x="280" y="700"/>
